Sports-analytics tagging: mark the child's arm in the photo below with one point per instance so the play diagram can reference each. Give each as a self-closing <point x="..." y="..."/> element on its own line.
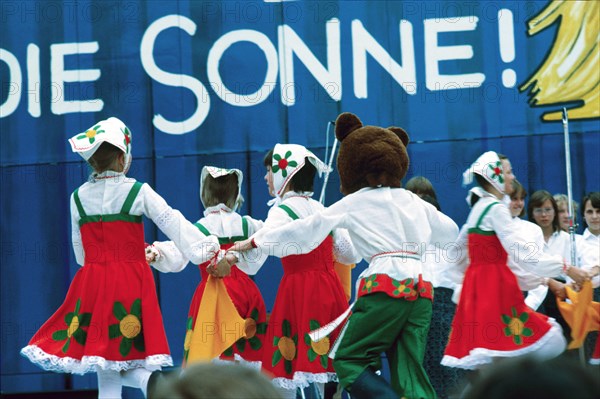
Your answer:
<point x="76" y="234"/>
<point x="535" y="262"/>
<point x="343" y="248"/>
<point x="194" y="245"/>
<point x="300" y="236"/>
<point x="249" y="262"/>
<point x="167" y="257"/>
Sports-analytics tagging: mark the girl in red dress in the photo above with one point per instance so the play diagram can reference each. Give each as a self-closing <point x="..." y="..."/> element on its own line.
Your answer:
<point x="220" y="193"/>
<point x="110" y="322"/>
<point x="310" y="293"/>
<point x="492" y="319"/>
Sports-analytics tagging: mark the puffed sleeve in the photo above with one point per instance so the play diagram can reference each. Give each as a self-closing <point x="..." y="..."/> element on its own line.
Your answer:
<point x="536" y="296"/>
<point x="343" y="248"/>
<point x="514" y="242"/>
<point x="194" y="245"/>
<point x="300" y="236"/>
<point x="76" y="234"/>
<point x="170" y="258"/>
<point x="454" y="261"/>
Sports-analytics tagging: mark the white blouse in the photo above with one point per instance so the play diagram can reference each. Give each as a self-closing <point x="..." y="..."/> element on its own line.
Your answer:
<point x="521" y="247"/>
<point x="389" y="227"/>
<point x="303" y="206"/>
<point x="105" y="194"/>
<point x="220" y="221"/>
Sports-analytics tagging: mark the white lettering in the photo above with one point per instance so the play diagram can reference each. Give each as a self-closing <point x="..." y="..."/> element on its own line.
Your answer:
<point x="330" y="79"/>
<point x="59" y="76"/>
<point x="363" y="43"/>
<point x="173" y="79"/>
<point x="434" y="80"/>
<point x="217" y="51"/>
<point x="14" y="84"/>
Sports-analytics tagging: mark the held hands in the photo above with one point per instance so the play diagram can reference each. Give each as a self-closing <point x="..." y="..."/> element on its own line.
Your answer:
<point x="557" y="288"/>
<point x="152" y="254"/>
<point x="242" y="246"/>
<point x="220" y="266"/>
<point x="577" y="274"/>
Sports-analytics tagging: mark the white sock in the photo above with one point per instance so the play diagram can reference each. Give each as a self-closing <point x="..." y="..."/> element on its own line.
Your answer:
<point x="136" y="378"/>
<point x="109" y="384"/>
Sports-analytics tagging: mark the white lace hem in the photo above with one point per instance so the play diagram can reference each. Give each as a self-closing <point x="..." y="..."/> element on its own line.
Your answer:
<point x="256" y="365"/>
<point x="303" y="379"/>
<point x="89" y="364"/>
<point x="478" y="357"/>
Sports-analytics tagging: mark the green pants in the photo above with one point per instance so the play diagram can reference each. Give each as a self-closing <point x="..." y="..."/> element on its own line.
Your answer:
<point x="380" y="323"/>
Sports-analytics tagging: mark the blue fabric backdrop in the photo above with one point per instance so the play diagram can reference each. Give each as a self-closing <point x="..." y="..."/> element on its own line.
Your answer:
<point x="67" y="64"/>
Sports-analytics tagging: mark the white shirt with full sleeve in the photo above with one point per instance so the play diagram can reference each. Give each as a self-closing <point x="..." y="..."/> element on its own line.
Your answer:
<point x="303" y="206"/>
<point x="529" y="265"/>
<point x="593" y="242"/>
<point x="559" y="243"/>
<point x="384" y="225"/>
<point x="534" y="237"/>
<point x="105" y="194"/>
<point x="221" y="222"/>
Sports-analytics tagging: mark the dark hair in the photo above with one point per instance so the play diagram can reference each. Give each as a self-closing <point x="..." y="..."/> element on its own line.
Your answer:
<point x="518" y="192"/>
<point x="104" y="158"/>
<point x="304" y="179"/>
<point x="268" y="159"/>
<point x="421" y="186"/>
<point x="536" y="200"/>
<point x="594" y="198"/>
<point x="208" y="380"/>
<point x="483" y="183"/>
<point x="220" y="190"/>
<point x="431" y="200"/>
<point x="526" y="377"/>
<point x="502" y="157"/>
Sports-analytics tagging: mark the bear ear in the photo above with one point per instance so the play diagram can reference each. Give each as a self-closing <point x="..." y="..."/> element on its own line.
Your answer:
<point x="400" y="133"/>
<point x="345" y="124"/>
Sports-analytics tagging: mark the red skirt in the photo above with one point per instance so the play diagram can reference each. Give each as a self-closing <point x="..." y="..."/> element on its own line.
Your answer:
<point x="310" y="295"/>
<point x="491" y="318"/>
<point x="110" y="319"/>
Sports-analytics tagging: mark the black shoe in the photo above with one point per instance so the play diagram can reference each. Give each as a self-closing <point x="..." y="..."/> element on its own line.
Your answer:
<point x="369" y="385"/>
<point x="156" y="379"/>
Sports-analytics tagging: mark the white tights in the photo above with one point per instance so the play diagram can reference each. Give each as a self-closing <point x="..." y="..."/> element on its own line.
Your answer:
<point x="109" y="384"/>
<point x="136" y="378"/>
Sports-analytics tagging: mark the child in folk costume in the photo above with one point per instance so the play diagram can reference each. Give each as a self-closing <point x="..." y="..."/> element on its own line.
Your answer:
<point x="220" y="193"/>
<point x="492" y="319"/>
<point x="110" y="322"/>
<point x="310" y="293"/>
<point x="389" y="227"/>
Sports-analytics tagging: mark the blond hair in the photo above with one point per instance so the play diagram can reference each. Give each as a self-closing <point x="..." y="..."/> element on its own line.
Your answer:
<point x="220" y="190"/>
